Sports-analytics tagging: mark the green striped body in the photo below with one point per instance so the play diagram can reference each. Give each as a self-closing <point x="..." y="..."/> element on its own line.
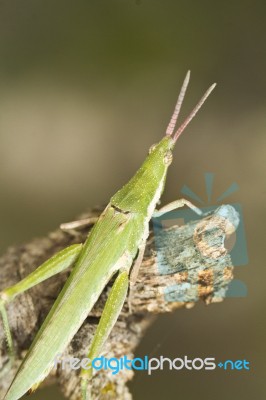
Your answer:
<point x="111" y="246"/>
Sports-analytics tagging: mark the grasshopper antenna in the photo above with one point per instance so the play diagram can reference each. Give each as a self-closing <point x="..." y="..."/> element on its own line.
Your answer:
<point x="193" y="113"/>
<point x="172" y="123"/>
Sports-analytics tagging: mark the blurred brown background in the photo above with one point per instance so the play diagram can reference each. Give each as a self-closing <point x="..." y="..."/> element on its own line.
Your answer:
<point x="85" y="88"/>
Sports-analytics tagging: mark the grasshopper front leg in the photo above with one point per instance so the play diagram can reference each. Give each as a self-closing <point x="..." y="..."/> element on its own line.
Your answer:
<point x="109" y="317"/>
<point x="167" y="208"/>
<point x="60" y="261"/>
<point x="134" y="273"/>
<point x="174" y="205"/>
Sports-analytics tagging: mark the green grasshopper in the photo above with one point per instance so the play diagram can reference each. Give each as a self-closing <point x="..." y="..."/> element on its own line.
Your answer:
<point x="114" y="246"/>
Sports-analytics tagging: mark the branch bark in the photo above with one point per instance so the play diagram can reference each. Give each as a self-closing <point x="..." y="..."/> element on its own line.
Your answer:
<point x="181" y="265"/>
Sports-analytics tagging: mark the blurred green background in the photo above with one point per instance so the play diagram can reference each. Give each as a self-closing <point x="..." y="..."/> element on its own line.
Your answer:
<point x="85" y="88"/>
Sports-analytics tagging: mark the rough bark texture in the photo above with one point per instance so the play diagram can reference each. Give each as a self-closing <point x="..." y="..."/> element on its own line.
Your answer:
<point x="180" y="266"/>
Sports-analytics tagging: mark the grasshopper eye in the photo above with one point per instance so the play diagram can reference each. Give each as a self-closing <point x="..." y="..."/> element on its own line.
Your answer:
<point x="152" y="148"/>
<point x="168" y="157"/>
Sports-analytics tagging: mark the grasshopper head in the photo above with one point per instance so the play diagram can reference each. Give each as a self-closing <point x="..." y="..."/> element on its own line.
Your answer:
<point x="143" y="191"/>
<point x="162" y="151"/>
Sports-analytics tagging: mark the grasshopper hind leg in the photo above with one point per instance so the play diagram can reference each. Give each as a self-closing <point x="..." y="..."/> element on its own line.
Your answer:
<point x="59" y="262"/>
